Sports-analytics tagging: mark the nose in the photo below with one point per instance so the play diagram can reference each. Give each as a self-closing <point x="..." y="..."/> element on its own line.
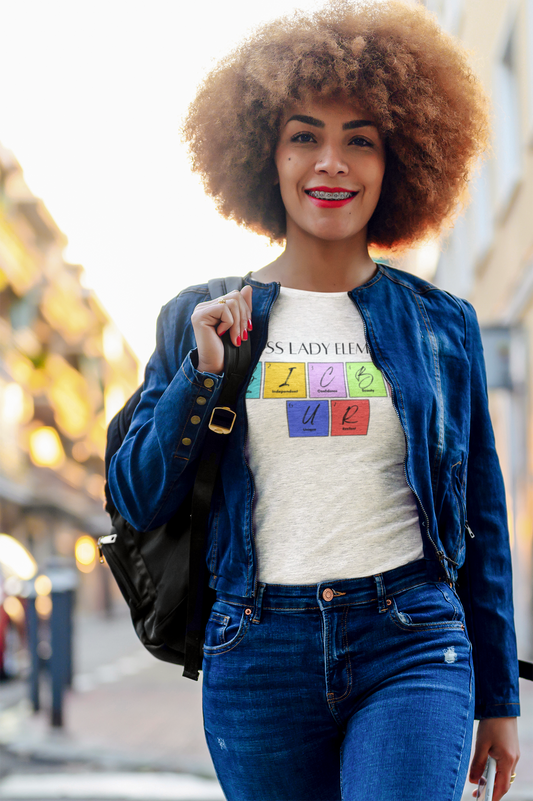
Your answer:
<point x="330" y="161"/>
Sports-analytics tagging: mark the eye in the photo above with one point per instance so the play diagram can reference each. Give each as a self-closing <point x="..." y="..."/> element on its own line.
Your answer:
<point x="360" y="141"/>
<point x="303" y="138"/>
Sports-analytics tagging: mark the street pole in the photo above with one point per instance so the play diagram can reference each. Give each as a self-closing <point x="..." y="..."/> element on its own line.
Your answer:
<point x="63" y="585"/>
<point x="33" y="639"/>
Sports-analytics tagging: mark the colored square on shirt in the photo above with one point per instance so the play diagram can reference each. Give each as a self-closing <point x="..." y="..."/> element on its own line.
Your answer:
<point x="365" y="380"/>
<point x="308" y="418"/>
<point x="254" y="384"/>
<point x="284" y="380"/>
<point x="326" y="380"/>
<point x="350" y="418"/>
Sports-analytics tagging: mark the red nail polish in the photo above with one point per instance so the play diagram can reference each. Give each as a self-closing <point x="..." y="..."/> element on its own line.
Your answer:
<point x="238" y="341"/>
<point x="245" y="334"/>
<point x="250" y="325"/>
<point x="220" y="333"/>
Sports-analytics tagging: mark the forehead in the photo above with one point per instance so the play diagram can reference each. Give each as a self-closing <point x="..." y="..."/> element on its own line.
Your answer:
<point x="329" y="111"/>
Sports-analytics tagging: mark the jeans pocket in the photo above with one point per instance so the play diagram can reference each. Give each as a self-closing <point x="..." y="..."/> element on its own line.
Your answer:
<point x="428" y="606"/>
<point x="225" y="628"/>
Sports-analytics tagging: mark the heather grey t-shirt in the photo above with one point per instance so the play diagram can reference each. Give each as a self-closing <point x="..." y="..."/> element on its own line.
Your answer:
<point x="326" y="449"/>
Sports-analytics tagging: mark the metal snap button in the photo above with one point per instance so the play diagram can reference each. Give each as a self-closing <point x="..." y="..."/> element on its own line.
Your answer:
<point x="201" y="401"/>
<point x="208" y="382"/>
<point x="195" y="419"/>
<point x="186" y="441"/>
<point x="247" y="611"/>
<point x="327" y="595"/>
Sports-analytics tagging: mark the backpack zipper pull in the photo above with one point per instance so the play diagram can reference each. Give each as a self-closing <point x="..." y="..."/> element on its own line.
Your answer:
<point x="106" y="540"/>
<point x="470" y="532"/>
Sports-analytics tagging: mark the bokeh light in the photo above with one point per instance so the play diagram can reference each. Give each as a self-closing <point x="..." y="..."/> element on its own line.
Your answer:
<point x="14" y="609"/>
<point x="15" y="559"/>
<point x="85" y="551"/>
<point x="43" y="585"/>
<point x="43" y="606"/>
<point x="46" y="449"/>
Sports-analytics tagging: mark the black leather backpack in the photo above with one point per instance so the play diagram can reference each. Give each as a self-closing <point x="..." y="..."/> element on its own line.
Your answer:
<point x="162" y="573"/>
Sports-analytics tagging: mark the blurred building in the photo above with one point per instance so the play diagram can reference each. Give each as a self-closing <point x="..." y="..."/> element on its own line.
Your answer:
<point x="488" y="257"/>
<point x="64" y="371"/>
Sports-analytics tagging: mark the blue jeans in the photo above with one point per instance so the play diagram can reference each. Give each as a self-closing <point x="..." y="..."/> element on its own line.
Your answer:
<point x="357" y="689"/>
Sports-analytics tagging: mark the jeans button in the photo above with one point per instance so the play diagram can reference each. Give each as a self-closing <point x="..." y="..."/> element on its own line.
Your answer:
<point x="327" y="595"/>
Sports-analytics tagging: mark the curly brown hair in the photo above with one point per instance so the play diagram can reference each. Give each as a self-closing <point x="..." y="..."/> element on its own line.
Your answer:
<point x="395" y="60"/>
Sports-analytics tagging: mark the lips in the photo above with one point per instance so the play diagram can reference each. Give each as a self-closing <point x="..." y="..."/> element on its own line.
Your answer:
<point x="330" y="197"/>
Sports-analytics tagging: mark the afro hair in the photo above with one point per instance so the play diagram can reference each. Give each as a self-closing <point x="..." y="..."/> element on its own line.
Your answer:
<point x="392" y="58"/>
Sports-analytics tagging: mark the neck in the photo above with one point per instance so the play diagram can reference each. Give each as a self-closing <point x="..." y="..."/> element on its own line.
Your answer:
<point x="320" y="265"/>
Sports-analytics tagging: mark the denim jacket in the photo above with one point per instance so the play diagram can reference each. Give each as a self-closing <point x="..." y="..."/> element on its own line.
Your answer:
<point x="427" y="344"/>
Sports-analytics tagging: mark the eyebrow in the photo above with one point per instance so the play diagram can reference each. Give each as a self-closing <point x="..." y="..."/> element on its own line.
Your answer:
<point x="347" y="126"/>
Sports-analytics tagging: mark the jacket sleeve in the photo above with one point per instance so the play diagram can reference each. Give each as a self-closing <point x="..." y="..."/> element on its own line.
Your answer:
<point x="153" y="470"/>
<point x="485" y="580"/>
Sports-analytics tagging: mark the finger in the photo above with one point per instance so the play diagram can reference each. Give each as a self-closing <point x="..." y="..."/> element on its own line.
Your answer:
<point x="227" y="319"/>
<point x="479" y="760"/>
<point x="213" y="314"/>
<point x="233" y="302"/>
<point x="246" y="317"/>
<point x="244" y="297"/>
<point x="241" y="313"/>
<point x="246" y="294"/>
<point x="502" y="785"/>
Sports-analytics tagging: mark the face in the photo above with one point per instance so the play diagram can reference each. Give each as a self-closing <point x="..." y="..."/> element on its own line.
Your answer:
<point x="330" y="162"/>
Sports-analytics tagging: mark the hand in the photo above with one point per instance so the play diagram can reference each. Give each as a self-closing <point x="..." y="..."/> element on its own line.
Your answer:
<point x="212" y="319"/>
<point x="498" y="738"/>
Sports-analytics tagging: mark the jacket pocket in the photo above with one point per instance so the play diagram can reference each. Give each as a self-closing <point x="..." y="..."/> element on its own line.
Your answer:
<point x="458" y="493"/>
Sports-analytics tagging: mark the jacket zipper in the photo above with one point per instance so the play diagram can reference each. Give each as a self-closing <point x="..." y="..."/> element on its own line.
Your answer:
<point x="440" y="554"/>
<point x="470" y="532"/>
<point x="252" y="535"/>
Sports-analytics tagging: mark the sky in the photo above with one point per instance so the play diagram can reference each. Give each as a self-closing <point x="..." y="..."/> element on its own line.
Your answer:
<point x="93" y="96"/>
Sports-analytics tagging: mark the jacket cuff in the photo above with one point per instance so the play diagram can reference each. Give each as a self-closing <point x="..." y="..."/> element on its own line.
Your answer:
<point x="510" y="710"/>
<point x="204" y="389"/>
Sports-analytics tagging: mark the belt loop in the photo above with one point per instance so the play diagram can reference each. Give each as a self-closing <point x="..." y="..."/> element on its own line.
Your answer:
<point x="258" y="603"/>
<point x="382" y="592"/>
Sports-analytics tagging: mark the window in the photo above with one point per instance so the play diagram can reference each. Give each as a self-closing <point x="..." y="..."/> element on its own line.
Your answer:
<point x="449" y="12"/>
<point x="455" y="270"/>
<point x="507" y="122"/>
<point x="479" y="213"/>
<point x="529" y="23"/>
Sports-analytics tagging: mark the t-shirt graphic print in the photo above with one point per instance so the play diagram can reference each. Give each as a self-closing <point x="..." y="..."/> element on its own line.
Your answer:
<point x="326" y="449"/>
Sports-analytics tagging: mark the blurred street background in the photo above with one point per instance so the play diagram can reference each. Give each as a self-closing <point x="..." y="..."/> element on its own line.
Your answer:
<point x="100" y="224"/>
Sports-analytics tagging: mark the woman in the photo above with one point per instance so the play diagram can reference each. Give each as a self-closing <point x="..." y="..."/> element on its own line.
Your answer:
<point x="352" y="611"/>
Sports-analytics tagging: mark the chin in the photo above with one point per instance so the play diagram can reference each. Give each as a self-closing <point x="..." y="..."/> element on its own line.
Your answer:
<point x="334" y="233"/>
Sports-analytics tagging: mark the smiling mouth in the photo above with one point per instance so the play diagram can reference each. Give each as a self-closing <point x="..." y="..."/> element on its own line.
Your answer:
<point x="321" y="195"/>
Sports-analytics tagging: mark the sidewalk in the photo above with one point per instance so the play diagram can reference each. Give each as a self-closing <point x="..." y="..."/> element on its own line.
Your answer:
<point x="126" y="711"/>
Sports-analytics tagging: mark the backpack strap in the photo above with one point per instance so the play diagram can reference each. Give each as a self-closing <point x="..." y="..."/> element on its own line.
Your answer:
<point x="525" y="670"/>
<point x="221" y="286"/>
<point x="236" y="365"/>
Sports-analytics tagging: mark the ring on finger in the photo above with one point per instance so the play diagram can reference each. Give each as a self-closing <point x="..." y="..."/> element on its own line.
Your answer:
<point x="222" y="300"/>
